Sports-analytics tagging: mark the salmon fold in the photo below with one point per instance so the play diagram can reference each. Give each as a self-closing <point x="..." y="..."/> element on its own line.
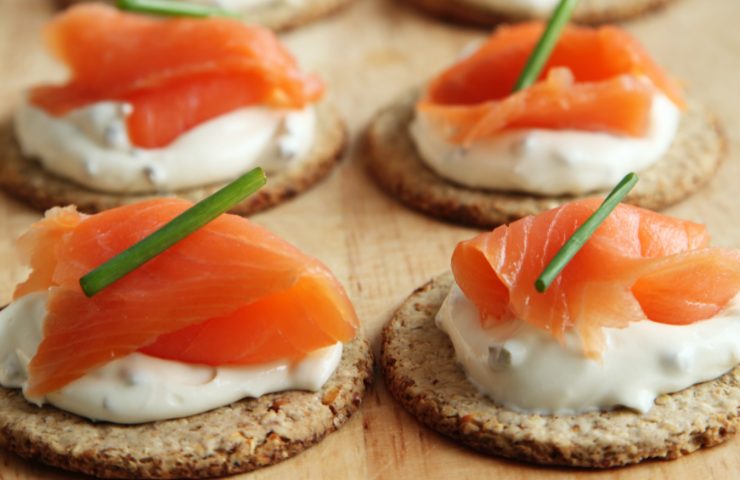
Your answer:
<point x="638" y="266"/>
<point x="232" y="293"/>
<point x="595" y="80"/>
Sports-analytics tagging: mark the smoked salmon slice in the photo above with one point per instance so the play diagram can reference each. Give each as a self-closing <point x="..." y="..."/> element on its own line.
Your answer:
<point x="230" y="293"/>
<point x="597" y="79"/>
<point x="639" y="265"/>
<point x="176" y="73"/>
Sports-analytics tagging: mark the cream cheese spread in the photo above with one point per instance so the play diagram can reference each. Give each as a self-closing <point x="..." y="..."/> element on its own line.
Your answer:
<point x="139" y="388"/>
<point x="548" y="162"/>
<point x="525" y="369"/>
<point x="243" y="5"/>
<point x="91" y="146"/>
<point x="536" y="8"/>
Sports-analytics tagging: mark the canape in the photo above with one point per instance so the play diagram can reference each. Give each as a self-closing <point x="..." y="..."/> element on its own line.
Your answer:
<point x="229" y="351"/>
<point x="174" y="106"/>
<point x="630" y="354"/>
<point x="469" y="149"/>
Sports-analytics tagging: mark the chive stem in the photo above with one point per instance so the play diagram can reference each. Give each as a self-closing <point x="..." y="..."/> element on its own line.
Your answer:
<point x="583" y="233"/>
<point x="545" y="45"/>
<point x="174" y="8"/>
<point x="172" y="232"/>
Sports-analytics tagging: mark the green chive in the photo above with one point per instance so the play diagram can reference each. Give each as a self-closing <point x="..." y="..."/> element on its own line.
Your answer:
<point x="178" y="228"/>
<point x="174" y="8"/>
<point x="583" y="233"/>
<point x="545" y="45"/>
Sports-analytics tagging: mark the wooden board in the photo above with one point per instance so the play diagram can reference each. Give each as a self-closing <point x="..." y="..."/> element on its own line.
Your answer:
<point x="369" y="54"/>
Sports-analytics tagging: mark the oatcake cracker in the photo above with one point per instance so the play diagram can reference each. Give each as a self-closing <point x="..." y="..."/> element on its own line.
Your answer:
<point x="419" y="365"/>
<point x="240" y="437"/>
<point x="692" y="159"/>
<point x="278" y="15"/>
<point x="26" y="179"/>
<point x="289" y="14"/>
<point x="485" y="13"/>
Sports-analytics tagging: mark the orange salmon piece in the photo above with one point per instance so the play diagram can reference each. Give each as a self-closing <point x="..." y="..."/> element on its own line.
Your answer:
<point x="639" y="265"/>
<point x="249" y="296"/>
<point x="176" y="72"/>
<point x="593" y="81"/>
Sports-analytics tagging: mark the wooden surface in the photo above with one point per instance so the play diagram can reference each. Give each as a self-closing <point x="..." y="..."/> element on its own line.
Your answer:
<point x="369" y="54"/>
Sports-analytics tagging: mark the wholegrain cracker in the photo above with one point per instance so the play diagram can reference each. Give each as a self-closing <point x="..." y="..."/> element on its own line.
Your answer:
<point x="420" y="370"/>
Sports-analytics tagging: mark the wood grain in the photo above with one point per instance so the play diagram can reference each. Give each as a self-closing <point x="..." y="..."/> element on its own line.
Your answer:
<point x="369" y="54"/>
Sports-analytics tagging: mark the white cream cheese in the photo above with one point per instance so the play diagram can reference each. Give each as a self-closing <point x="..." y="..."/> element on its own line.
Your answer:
<point x="548" y="162"/>
<point x="243" y="5"/>
<point x="91" y="147"/>
<point x="534" y="8"/>
<point x="139" y="388"/>
<point x="525" y="369"/>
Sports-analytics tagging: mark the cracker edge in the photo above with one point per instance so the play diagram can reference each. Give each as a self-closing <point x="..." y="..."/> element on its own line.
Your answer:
<point x="272" y="450"/>
<point x="391" y="157"/>
<point x="25" y="178"/>
<point x="477" y="14"/>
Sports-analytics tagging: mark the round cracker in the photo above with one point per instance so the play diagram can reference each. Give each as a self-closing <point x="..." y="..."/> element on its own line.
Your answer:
<point x="279" y="15"/>
<point x="240" y="437"/>
<point x="692" y="159"/>
<point x="26" y="179"/>
<point x="483" y="13"/>
<point x="421" y="372"/>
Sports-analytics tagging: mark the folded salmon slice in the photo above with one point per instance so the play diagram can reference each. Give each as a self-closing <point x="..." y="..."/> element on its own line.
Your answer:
<point x="638" y="265"/>
<point x="231" y="293"/>
<point x="595" y="80"/>
<point x="176" y="72"/>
